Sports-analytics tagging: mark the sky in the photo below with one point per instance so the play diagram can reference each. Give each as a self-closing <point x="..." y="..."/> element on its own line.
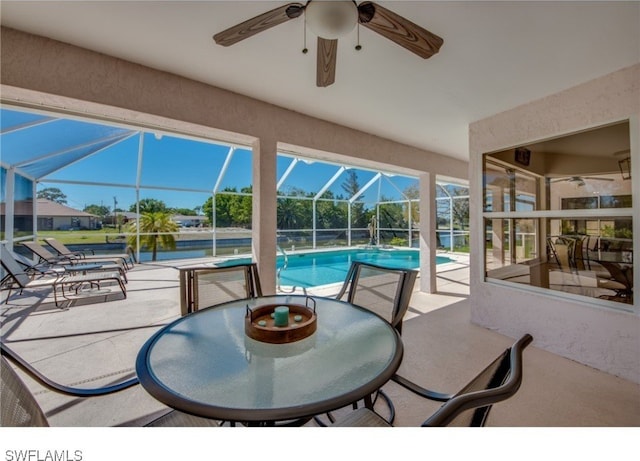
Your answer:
<point x="63" y="152"/>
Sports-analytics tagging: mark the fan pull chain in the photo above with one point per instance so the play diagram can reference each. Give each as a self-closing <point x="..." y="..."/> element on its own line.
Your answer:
<point x="358" y="46"/>
<point x="305" y="50"/>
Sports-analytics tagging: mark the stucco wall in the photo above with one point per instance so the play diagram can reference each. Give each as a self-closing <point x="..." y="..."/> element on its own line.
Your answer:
<point x="604" y="338"/>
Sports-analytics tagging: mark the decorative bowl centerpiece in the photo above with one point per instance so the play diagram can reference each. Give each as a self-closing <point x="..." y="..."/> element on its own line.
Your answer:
<point x="281" y="323"/>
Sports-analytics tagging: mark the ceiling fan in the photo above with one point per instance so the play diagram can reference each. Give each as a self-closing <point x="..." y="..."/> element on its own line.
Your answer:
<point x="330" y="20"/>
<point x="579" y="181"/>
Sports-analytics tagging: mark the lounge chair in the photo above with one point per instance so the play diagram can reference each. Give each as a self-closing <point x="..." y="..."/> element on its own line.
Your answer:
<point x="62" y="250"/>
<point x="17" y="278"/>
<point x="32" y="269"/>
<point x="105" y="263"/>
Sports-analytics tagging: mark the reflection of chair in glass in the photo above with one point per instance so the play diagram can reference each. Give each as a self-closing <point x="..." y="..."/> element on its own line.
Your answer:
<point x="19" y="408"/>
<point x="205" y="286"/>
<point x="471" y="405"/>
<point x="562" y="251"/>
<point x="622" y="281"/>
<point x="578" y="252"/>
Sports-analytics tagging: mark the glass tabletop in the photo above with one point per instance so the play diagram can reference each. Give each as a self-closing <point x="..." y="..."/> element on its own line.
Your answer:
<point x="205" y="364"/>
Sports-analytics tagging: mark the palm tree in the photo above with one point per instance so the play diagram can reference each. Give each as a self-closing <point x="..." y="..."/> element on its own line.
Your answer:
<point x="287" y="213"/>
<point x="155" y="228"/>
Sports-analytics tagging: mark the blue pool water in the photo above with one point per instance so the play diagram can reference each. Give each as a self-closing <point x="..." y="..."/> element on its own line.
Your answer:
<point x="321" y="268"/>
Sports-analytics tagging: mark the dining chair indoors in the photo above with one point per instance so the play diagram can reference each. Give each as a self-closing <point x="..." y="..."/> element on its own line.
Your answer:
<point x="19" y="408"/>
<point x="562" y="250"/>
<point x="620" y="281"/>
<point x="62" y="250"/>
<point x="471" y="405"/>
<point x="204" y="286"/>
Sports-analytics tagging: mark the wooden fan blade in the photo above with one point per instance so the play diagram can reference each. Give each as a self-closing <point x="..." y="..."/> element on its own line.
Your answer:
<point x="327" y="53"/>
<point x="262" y="22"/>
<point x="399" y="30"/>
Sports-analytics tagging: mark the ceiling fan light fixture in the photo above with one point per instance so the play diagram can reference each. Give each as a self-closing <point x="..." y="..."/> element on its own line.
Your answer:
<point x="331" y="19"/>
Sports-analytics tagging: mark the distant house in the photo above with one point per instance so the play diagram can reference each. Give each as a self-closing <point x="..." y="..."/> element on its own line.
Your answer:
<point x="123" y="217"/>
<point x="127" y="217"/>
<point x="55" y="216"/>
<point x="189" y="221"/>
<point x="52" y="216"/>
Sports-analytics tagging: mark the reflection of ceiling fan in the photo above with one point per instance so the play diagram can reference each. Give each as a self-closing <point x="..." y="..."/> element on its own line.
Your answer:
<point x="332" y="19"/>
<point x="579" y="180"/>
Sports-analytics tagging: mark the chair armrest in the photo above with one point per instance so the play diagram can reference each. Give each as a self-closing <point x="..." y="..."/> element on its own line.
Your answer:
<point x="38" y="272"/>
<point x="71" y="259"/>
<point x="56" y="387"/>
<point x="421" y="391"/>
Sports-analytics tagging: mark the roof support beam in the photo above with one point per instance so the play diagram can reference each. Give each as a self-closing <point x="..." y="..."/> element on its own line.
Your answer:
<point x="24" y="126"/>
<point x="89" y="154"/>
<point x="225" y="166"/>
<point x="287" y="173"/>
<point x="365" y="187"/>
<point x="330" y="182"/>
<point x="115" y="138"/>
<point x="395" y="187"/>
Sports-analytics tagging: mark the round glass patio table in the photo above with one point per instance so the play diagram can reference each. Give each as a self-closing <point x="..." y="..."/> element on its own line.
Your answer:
<point x="204" y="363"/>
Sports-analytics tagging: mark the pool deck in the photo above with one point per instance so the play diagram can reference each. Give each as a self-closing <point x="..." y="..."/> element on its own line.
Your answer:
<point x="92" y="343"/>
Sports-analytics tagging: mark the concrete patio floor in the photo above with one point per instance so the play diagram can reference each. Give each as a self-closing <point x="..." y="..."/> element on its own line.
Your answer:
<point x="94" y="342"/>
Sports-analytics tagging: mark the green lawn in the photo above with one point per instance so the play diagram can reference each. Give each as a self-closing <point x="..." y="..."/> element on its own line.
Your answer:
<point x="75" y="237"/>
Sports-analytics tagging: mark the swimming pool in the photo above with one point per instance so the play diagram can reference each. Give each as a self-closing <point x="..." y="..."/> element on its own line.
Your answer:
<point x="321" y="268"/>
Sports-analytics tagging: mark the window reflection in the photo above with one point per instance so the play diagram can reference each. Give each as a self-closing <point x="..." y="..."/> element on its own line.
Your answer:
<point x="23" y="196"/>
<point x="578" y="237"/>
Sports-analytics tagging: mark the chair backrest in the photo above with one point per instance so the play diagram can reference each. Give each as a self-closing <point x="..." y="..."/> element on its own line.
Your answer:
<point x="29" y="266"/>
<point x="563" y="251"/>
<point x="383" y="290"/>
<point x="619" y="273"/>
<point x="41" y="252"/>
<point x="12" y="267"/>
<point x="578" y="253"/>
<point x="207" y="286"/>
<point x="497" y="382"/>
<point x="18" y="407"/>
<point x="59" y="247"/>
